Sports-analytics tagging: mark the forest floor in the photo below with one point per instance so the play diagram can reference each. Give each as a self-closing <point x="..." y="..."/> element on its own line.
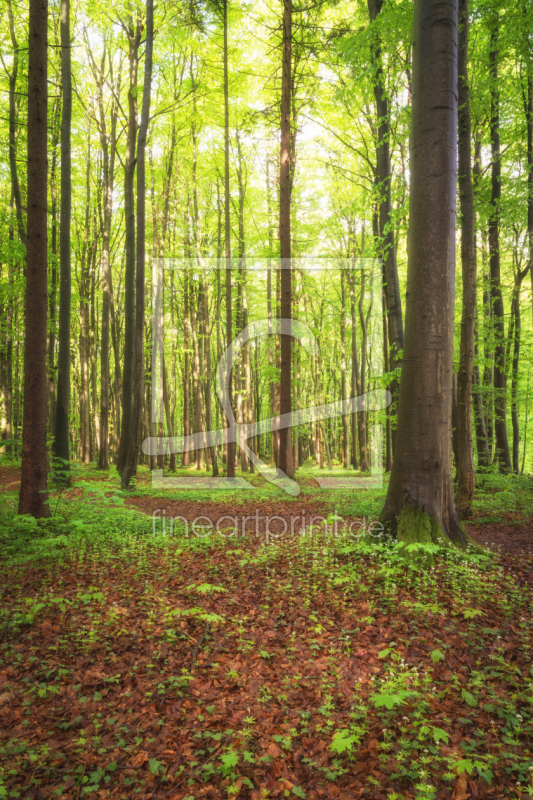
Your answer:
<point x="252" y="663"/>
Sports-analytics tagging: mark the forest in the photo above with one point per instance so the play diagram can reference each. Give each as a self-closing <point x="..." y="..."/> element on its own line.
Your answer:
<point x="266" y="355"/>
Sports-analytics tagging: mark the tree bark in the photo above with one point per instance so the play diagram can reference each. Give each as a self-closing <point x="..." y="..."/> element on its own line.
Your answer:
<point x="61" y="441"/>
<point x="135" y="431"/>
<point x="502" y="455"/>
<point x="420" y="503"/>
<point x="387" y="248"/>
<point x="285" y="446"/>
<point x="230" y="451"/>
<point x="133" y="32"/>
<point x="33" y="494"/>
<point x="13" y="76"/>
<point x="108" y="144"/>
<point x="344" y="386"/>
<point x="466" y="481"/>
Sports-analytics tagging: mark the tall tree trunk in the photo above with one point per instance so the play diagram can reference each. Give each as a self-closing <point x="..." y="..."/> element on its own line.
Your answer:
<point x="502" y="454"/>
<point x="230" y="452"/>
<point x="356" y="382"/>
<point x="186" y="368"/>
<point x="274" y="458"/>
<point x="528" y="108"/>
<point x="344" y="387"/>
<point x="33" y="494"/>
<point x="135" y="432"/>
<point x="61" y="441"/>
<point x="52" y="294"/>
<point x="133" y="32"/>
<point x="387" y="249"/>
<point x="466" y="481"/>
<point x="13" y="76"/>
<point x="482" y="438"/>
<point x="420" y="504"/>
<point x="515" y="311"/>
<point x="482" y="442"/>
<point x="285" y="447"/>
<point x="108" y="156"/>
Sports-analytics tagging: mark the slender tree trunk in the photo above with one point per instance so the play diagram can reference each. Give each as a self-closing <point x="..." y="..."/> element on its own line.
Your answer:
<point x="420" y="503"/>
<point x="502" y="455"/>
<point x="61" y="441"/>
<point x="387" y="249"/>
<point x="230" y="452"/>
<point x="13" y="76"/>
<point x="108" y="156"/>
<point x="528" y="108"/>
<point x="482" y="444"/>
<point x="344" y="387"/>
<point x="186" y="369"/>
<point x="135" y="432"/>
<point x="514" y="372"/>
<point x="33" y="494"/>
<point x="356" y="383"/>
<point x="134" y="38"/>
<point x="363" y="444"/>
<point x="274" y="458"/>
<point x="466" y="482"/>
<point x="285" y="447"/>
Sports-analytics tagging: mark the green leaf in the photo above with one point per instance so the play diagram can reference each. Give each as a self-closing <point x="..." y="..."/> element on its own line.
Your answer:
<point x="470" y="613"/>
<point x="154" y="765"/>
<point x="298" y="791"/>
<point x="229" y="760"/>
<point x="464" y="765"/>
<point x="384" y="653"/>
<point x="469" y="698"/>
<point x="439" y="735"/>
<point x="436" y="656"/>
<point x="391" y="700"/>
<point x="342" y="740"/>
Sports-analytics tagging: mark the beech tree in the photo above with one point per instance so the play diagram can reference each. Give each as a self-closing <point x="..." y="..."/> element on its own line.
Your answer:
<point x="61" y="443"/>
<point x="420" y="504"/>
<point x="33" y="497"/>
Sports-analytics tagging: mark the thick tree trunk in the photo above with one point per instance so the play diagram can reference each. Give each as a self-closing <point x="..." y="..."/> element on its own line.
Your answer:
<point x="502" y="455"/>
<point x="285" y="439"/>
<point x="33" y="494"/>
<point x="134" y="38"/>
<point x="466" y="482"/>
<point x="420" y="503"/>
<point x="135" y="432"/>
<point x="61" y="441"/>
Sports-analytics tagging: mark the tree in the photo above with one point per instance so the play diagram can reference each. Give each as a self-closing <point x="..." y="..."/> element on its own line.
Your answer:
<point x="285" y="446"/>
<point x="502" y="456"/>
<point x="133" y="31"/>
<point x="420" y="503"/>
<point x="387" y="248"/>
<point x="466" y="481"/>
<point x="135" y="431"/>
<point x="33" y="496"/>
<point x="61" y="441"/>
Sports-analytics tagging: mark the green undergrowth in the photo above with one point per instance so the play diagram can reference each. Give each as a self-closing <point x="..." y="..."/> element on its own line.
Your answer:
<point x="158" y="664"/>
